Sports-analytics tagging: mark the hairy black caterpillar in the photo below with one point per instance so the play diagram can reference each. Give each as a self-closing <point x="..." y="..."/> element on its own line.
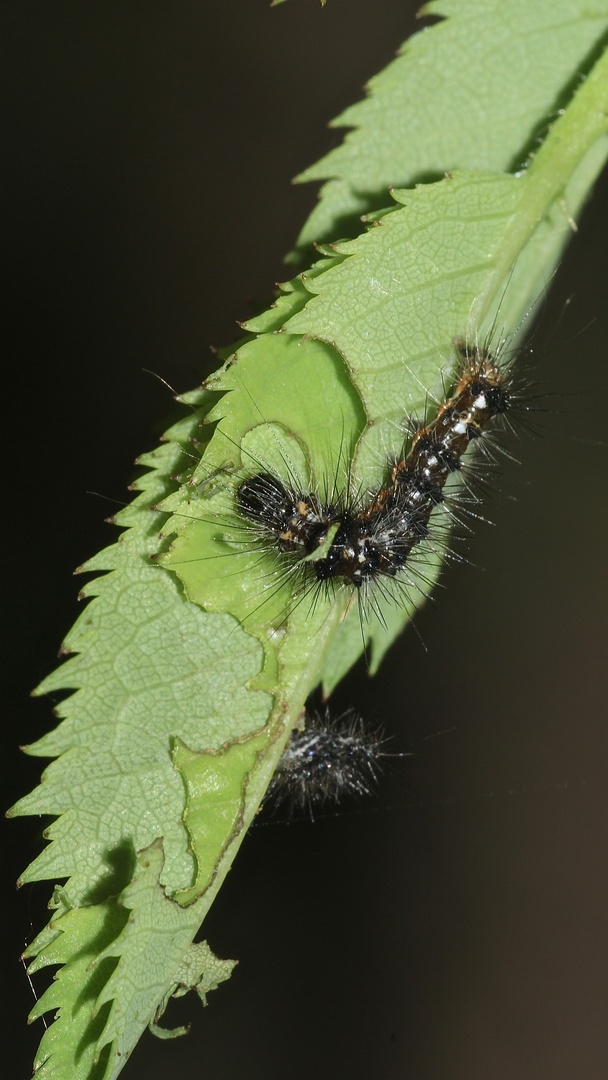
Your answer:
<point x="366" y="541"/>
<point x="330" y="759"/>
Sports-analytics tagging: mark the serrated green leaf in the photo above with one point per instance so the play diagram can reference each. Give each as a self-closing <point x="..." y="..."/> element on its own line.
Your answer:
<point x="123" y="960"/>
<point x="114" y="751"/>
<point x="472" y="92"/>
<point x="70" y="1046"/>
<point x="432" y="272"/>
<point x="150" y="667"/>
<point x="196" y="653"/>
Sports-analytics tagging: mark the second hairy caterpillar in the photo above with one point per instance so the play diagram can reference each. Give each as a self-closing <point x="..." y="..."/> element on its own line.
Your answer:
<point x="330" y="759"/>
<point x="365" y="541"/>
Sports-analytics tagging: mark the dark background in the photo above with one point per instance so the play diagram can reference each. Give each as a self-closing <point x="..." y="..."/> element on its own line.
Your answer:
<point x="455" y="927"/>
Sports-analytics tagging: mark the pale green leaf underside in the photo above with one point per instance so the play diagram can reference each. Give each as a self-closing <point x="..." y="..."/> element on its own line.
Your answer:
<point x="149" y="669"/>
<point x="472" y="92"/>
<point x="122" y="961"/>
<point x="187" y="682"/>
